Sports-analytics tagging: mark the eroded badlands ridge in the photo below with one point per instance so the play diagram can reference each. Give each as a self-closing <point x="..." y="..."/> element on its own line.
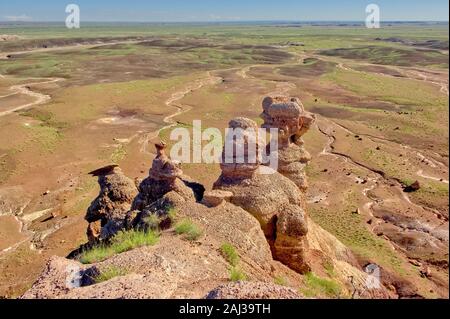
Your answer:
<point x="262" y="216"/>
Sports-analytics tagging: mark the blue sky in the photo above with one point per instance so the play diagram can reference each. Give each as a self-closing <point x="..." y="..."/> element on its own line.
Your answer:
<point x="229" y="10"/>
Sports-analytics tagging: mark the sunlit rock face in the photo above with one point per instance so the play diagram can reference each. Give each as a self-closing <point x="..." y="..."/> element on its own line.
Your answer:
<point x="243" y="136"/>
<point x="275" y="201"/>
<point x="288" y="115"/>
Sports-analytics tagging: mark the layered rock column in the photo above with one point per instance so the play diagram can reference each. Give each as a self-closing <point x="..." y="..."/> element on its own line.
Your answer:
<point x="107" y="212"/>
<point x="288" y="115"/>
<point x="275" y="201"/>
<point x="164" y="177"/>
<point x="121" y="205"/>
<point x="240" y="166"/>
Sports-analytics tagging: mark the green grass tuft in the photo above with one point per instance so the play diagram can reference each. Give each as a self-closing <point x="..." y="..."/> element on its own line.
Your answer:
<point x="230" y="254"/>
<point x="316" y="286"/>
<point x="110" y="273"/>
<point x="123" y="241"/>
<point x="329" y="269"/>
<point x="190" y="230"/>
<point x="236" y="274"/>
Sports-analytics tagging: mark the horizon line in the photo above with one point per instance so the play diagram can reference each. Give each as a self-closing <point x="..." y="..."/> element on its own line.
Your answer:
<point x="230" y="21"/>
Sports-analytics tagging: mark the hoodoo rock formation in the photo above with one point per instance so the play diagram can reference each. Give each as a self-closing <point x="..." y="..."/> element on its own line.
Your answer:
<point x="240" y="165"/>
<point x="164" y="176"/>
<point x="272" y="199"/>
<point x="107" y="213"/>
<point x="174" y="268"/>
<point x="259" y="212"/>
<point x="164" y="188"/>
<point x="292" y="121"/>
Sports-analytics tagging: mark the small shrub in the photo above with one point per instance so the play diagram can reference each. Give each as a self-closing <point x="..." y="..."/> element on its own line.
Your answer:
<point x="123" y="241"/>
<point x="187" y="228"/>
<point x="95" y="254"/>
<point x="110" y="273"/>
<point x="230" y="254"/>
<point x="236" y="274"/>
<point x="127" y="240"/>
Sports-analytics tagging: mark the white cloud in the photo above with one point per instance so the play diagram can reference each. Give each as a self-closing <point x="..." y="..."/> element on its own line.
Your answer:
<point x="22" y="17"/>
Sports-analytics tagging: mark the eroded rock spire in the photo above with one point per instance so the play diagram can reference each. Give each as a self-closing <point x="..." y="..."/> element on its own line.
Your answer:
<point x="275" y="201"/>
<point x="107" y="212"/>
<point x="243" y="157"/>
<point x="288" y="115"/>
<point x="164" y="177"/>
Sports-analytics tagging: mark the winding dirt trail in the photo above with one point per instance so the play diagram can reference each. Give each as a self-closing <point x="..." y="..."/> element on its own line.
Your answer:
<point x="406" y="72"/>
<point x="420" y="76"/>
<point x="421" y="174"/>
<point x="329" y="151"/>
<point x="39" y="97"/>
<point x="25" y="89"/>
<point x="379" y="180"/>
<point x="173" y="101"/>
<point x="285" y="87"/>
<point x="431" y="161"/>
<point x="281" y="87"/>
